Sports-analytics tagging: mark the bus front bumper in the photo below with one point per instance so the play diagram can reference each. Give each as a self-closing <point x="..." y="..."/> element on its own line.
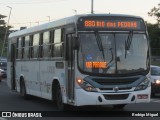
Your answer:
<point x="104" y="98"/>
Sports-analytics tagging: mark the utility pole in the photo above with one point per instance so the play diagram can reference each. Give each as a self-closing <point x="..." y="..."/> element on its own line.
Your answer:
<point x="6" y="30"/>
<point x="92" y="7"/>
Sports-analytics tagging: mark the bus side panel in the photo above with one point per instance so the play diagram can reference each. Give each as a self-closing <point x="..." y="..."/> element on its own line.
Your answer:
<point x="49" y="71"/>
<point x="30" y="72"/>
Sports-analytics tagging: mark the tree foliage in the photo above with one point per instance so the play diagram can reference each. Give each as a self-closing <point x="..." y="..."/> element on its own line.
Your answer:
<point x="2" y="27"/>
<point x="154" y="31"/>
<point x="155" y="12"/>
<point x="154" y="34"/>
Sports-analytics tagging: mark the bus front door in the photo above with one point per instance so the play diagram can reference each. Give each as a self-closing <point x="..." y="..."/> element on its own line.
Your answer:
<point x="70" y="68"/>
<point x="13" y="58"/>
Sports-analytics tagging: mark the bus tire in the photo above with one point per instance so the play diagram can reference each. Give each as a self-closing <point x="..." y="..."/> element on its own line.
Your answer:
<point x="23" y="89"/>
<point x="120" y="106"/>
<point x="59" y="101"/>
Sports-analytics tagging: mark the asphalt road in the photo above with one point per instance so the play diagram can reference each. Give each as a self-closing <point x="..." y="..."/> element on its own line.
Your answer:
<point x="12" y="101"/>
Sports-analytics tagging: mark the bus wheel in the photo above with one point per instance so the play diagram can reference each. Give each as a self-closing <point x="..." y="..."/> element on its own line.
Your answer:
<point x="121" y="106"/>
<point x="60" y="105"/>
<point x="23" y="90"/>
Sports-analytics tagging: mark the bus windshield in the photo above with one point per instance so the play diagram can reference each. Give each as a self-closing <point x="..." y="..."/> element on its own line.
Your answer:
<point x="113" y="53"/>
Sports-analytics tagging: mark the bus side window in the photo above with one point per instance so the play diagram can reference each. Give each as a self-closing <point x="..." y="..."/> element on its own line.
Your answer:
<point x="62" y="43"/>
<point x="31" y="47"/>
<point x="19" y="48"/>
<point x="51" y="51"/>
<point x="58" y="43"/>
<point x="46" y="46"/>
<point x="41" y="45"/>
<point x="22" y="48"/>
<point x="36" y="39"/>
<point x="26" y="49"/>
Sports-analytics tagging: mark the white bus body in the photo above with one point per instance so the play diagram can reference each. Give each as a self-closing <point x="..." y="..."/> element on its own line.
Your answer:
<point x="44" y="58"/>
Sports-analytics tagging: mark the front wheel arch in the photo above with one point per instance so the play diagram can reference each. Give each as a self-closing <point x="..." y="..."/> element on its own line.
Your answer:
<point x="57" y="96"/>
<point x="54" y="85"/>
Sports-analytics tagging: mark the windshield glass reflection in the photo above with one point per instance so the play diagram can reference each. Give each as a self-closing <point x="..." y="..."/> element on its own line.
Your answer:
<point x="110" y="53"/>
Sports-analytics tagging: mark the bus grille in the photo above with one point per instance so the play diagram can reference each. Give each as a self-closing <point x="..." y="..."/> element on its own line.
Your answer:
<point x="115" y="81"/>
<point x="127" y="88"/>
<point x="116" y="97"/>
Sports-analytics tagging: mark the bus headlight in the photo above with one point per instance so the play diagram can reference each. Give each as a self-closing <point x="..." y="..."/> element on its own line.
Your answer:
<point x="85" y="85"/>
<point x="157" y="82"/>
<point x="143" y="85"/>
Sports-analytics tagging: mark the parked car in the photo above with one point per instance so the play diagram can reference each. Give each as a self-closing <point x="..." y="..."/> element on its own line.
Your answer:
<point x="3" y="64"/>
<point x="155" y="80"/>
<point x="3" y="68"/>
<point x="2" y="74"/>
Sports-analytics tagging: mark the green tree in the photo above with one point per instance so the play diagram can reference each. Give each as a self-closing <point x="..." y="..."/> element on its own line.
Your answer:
<point x="154" y="34"/>
<point x="154" y="31"/>
<point x="155" y="12"/>
<point x="2" y="27"/>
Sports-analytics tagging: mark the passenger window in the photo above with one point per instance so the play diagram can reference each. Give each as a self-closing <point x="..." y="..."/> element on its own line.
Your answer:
<point x="52" y="44"/>
<point x="19" y="48"/>
<point x="31" y="47"/>
<point x="23" y="45"/>
<point x="58" y="44"/>
<point x="35" y="45"/>
<point x="57" y="36"/>
<point x="26" y="49"/>
<point x="46" y="37"/>
<point x="46" y="45"/>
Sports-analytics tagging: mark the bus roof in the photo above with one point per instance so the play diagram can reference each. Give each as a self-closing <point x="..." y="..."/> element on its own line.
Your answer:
<point x="61" y="22"/>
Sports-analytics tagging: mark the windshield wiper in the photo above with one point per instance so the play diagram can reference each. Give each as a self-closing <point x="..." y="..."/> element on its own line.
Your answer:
<point x="128" y="42"/>
<point x="109" y="63"/>
<point x="99" y="43"/>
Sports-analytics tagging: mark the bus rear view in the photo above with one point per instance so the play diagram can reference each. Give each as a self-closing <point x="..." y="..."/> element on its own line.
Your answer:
<point x="113" y="61"/>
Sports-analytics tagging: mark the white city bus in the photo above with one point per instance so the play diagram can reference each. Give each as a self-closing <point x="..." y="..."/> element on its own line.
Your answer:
<point x="94" y="59"/>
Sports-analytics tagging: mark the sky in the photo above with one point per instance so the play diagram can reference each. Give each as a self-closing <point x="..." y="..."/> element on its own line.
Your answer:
<point x="34" y="12"/>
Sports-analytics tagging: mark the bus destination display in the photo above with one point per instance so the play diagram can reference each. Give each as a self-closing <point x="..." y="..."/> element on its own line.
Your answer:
<point x="110" y="23"/>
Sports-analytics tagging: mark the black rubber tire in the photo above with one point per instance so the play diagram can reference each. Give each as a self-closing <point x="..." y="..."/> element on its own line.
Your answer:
<point x="59" y="101"/>
<point x="120" y="106"/>
<point x="23" y="90"/>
